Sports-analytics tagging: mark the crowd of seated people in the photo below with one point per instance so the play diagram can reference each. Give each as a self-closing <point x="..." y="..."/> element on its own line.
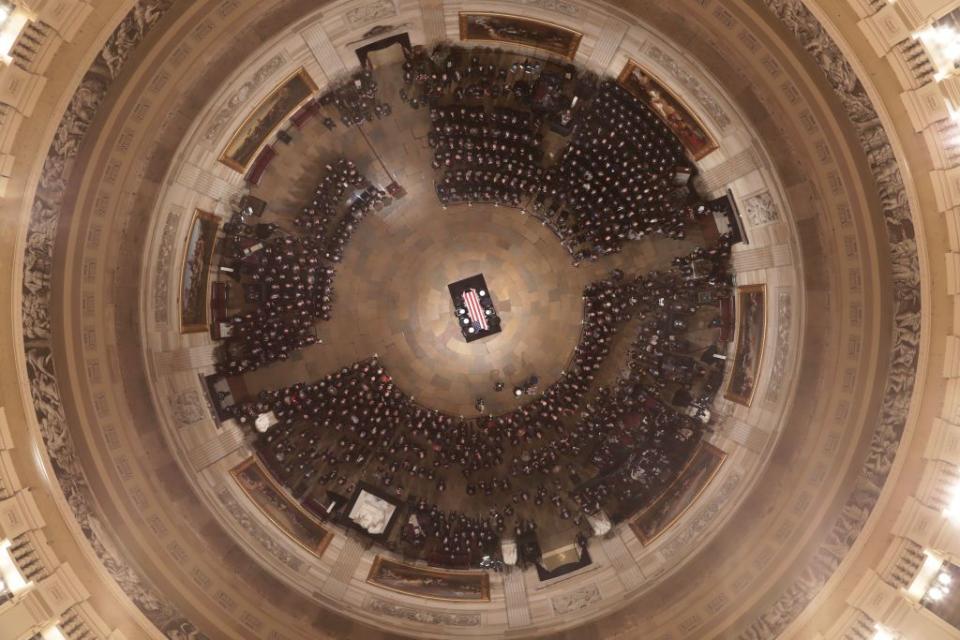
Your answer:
<point x="363" y="203"/>
<point x="554" y="460"/>
<point x="489" y="156"/>
<point x="288" y="279"/>
<point x="468" y="74"/>
<point x="356" y="100"/>
<point x="616" y="180"/>
<point x="640" y="435"/>
<point x="342" y="181"/>
<point x="621" y="176"/>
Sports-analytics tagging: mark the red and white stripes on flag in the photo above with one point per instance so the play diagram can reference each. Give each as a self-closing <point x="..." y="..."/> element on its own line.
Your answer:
<point x="475" y="309"/>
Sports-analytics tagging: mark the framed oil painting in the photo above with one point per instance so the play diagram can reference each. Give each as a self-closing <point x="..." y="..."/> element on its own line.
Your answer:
<point x="499" y="27"/>
<point x="644" y="86"/>
<point x="751" y="320"/>
<point x="279" y="507"/>
<point x="683" y="492"/>
<point x="268" y="115"/>
<point x="461" y="586"/>
<point x="195" y="272"/>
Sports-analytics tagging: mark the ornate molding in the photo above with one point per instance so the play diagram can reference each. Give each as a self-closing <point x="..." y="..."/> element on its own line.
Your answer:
<point x="370" y="12"/>
<point x="577" y="599"/>
<point x="240" y="96"/>
<point x="37" y="275"/>
<point x="46" y="397"/>
<point x="710" y="105"/>
<point x="703" y="517"/>
<point x="161" y="277"/>
<point x="423" y="616"/>
<point x="784" y="321"/>
<point x="560" y="6"/>
<point x="760" y="209"/>
<point x="906" y="333"/>
<point x="266" y="539"/>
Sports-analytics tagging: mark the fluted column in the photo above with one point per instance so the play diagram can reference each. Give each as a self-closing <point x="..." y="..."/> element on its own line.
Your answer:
<point x="515" y="592"/>
<point x="323" y="50"/>
<point x="434" y="22"/>
<point x="746" y="435"/>
<point x="607" y="44"/>
<point x="628" y="571"/>
<point x="717" y="178"/>
<point x="343" y="569"/>
<point x="206" y="182"/>
<point x="186" y="359"/>
<point x="223" y="444"/>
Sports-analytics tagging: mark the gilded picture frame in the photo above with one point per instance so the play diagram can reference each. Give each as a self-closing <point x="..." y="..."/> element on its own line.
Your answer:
<point x="516" y="30"/>
<point x="391" y="575"/>
<point x="269" y="114"/>
<point x="669" y="507"/>
<point x="751" y="311"/>
<point x="259" y="485"/>
<point x="193" y="294"/>
<point x="644" y="85"/>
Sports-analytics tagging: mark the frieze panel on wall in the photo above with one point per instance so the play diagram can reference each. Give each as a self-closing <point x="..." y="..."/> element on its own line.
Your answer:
<point x="702" y="518"/>
<point x="703" y="96"/>
<point x="161" y="277"/>
<point x="46" y="210"/>
<point x="576" y="599"/>
<point x="423" y="616"/>
<point x="241" y="95"/>
<point x="266" y="539"/>
<point x="560" y="6"/>
<point x="370" y="12"/>
<point x="782" y="349"/>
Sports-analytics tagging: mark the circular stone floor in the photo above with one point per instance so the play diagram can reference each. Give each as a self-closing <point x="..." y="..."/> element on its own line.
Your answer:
<point x="391" y="295"/>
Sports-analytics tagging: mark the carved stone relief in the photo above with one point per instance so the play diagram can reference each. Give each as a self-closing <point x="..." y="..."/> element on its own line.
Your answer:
<point x="760" y="209"/>
<point x="161" y="277"/>
<point x="702" y="518"/>
<point x="423" y="616"/>
<point x="560" y="6"/>
<point x="266" y="539"/>
<point x="47" y="400"/>
<point x="370" y="12"/>
<point x="577" y="599"/>
<point x="784" y="318"/>
<point x="240" y="96"/>
<point x="188" y="407"/>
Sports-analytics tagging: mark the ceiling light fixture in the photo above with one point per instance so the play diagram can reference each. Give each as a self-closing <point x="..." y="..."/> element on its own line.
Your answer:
<point x="883" y="634"/>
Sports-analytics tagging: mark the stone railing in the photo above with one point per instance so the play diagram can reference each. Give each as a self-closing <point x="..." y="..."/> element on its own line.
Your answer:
<point x="35" y="47"/>
<point x="81" y="622"/>
<point x="22" y="78"/>
<point x="901" y="562"/>
<point x="53" y="595"/>
<point x="888" y="597"/>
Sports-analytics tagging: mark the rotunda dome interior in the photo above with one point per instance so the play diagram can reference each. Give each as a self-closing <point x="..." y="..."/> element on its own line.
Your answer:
<point x="443" y="319"/>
